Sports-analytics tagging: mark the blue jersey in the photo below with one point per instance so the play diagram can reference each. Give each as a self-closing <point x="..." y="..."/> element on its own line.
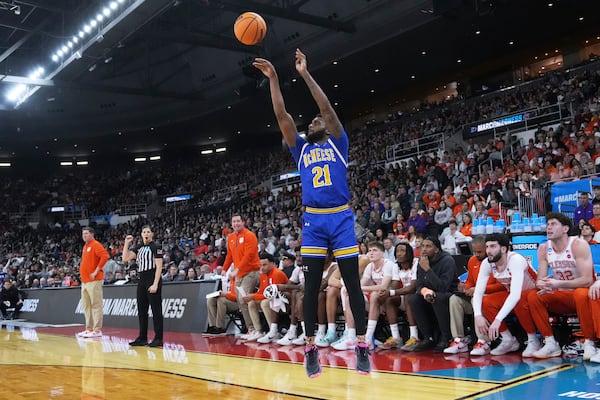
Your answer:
<point x="323" y="170"/>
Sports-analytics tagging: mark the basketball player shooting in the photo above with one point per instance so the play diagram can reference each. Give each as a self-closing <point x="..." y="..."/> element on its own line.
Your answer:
<point x="322" y="159"/>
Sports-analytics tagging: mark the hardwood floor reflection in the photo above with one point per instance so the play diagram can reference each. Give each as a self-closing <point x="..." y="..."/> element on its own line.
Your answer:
<point x="51" y="363"/>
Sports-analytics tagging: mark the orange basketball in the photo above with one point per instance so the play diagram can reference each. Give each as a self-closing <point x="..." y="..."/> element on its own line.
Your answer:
<point x="250" y="28"/>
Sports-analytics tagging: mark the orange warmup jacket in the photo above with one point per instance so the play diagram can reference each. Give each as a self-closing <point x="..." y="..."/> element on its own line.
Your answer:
<point x="242" y="251"/>
<point x="93" y="255"/>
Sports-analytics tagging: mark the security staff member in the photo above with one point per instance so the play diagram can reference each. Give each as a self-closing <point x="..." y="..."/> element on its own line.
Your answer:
<point x="149" y="261"/>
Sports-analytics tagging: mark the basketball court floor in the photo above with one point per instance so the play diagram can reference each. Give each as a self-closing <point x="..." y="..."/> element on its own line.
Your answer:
<point x="46" y="362"/>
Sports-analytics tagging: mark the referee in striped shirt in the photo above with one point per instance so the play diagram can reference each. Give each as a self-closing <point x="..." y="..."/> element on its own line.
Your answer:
<point x="149" y="260"/>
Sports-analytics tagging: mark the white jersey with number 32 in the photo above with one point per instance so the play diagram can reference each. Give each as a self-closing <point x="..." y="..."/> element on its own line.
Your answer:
<point x="562" y="265"/>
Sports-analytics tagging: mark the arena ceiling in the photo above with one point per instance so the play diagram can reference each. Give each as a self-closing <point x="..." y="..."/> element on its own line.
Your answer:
<point x="169" y="74"/>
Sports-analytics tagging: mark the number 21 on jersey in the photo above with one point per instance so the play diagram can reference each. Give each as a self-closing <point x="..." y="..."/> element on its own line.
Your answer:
<point x="321" y="176"/>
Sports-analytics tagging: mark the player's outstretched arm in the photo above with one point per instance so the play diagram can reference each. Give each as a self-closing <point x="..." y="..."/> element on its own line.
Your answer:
<point x="331" y="119"/>
<point x="284" y="119"/>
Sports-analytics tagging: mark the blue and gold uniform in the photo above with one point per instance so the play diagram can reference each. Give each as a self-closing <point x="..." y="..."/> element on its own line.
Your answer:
<point x="328" y="220"/>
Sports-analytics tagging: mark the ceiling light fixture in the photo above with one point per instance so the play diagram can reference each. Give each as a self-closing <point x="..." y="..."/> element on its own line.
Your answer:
<point x="109" y="15"/>
<point x="10" y="6"/>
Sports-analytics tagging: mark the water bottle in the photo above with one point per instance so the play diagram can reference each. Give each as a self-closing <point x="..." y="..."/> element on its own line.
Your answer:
<point x="542" y="224"/>
<point x="481" y="226"/>
<point x="489" y="227"/>
<point x="516" y="217"/>
<point x="500" y="226"/>
<point x="526" y="225"/>
<point x="535" y="223"/>
<point x="475" y="228"/>
<point x="516" y="227"/>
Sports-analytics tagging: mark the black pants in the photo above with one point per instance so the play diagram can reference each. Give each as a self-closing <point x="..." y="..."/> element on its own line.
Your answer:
<point x="432" y="317"/>
<point x="146" y="299"/>
<point x="4" y="307"/>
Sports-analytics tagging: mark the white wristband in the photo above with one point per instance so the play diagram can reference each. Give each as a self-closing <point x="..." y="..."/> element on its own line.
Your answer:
<point x="392" y="292"/>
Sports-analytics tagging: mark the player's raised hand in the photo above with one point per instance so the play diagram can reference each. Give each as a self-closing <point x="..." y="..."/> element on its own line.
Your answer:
<point x="301" y="66"/>
<point x="265" y="67"/>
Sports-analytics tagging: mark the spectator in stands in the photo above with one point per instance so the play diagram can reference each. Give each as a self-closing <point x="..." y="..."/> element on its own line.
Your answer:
<point x="584" y="210"/>
<point x="494" y="210"/>
<point x="450" y="236"/>
<point x="257" y="301"/>
<point x="118" y="276"/>
<point x="596" y="198"/>
<point x="416" y="221"/>
<point x="515" y="274"/>
<point x="191" y="274"/>
<point x="404" y="201"/>
<point x="389" y="252"/>
<point x="464" y="209"/>
<point x="570" y="259"/>
<point x="204" y="273"/>
<point x="362" y="248"/>
<point x="399" y="226"/>
<point x="181" y="275"/>
<point x="172" y="274"/>
<point x="379" y="236"/>
<point x="432" y="199"/>
<point x="360" y="218"/>
<point x="509" y="194"/>
<point x="432" y="228"/>
<point x="480" y="210"/>
<point x="374" y="221"/>
<point x="416" y="198"/>
<point x="448" y="197"/>
<point x="93" y="258"/>
<point x="10" y="298"/>
<point x="436" y="282"/>
<point x="242" y="252"/>
<point x="442" y="215"/>
<point x="587" y="232"/>
<point x="595" y="221"/>
<point x="467" y="228"/>
<point x="388" y="217"/>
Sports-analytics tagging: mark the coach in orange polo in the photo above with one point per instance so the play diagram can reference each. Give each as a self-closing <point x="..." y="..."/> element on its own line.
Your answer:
<point x="93" y="258"/>
<point x="242" y="252"/>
